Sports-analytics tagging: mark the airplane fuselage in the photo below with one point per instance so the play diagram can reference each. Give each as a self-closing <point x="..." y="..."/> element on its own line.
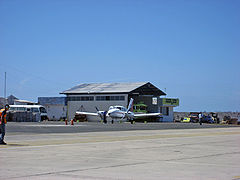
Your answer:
<point x="116" y="112"/>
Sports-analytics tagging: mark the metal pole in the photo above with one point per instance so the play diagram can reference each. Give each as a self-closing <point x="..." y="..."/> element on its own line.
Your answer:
<point x="5" y="84"/>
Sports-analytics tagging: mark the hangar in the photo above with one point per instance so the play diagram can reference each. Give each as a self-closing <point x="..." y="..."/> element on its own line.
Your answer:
<point x="85" y="97"/>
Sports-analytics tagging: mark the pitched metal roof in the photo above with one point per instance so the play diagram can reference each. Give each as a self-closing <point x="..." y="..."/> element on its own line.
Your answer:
<point x="98" y="88"/>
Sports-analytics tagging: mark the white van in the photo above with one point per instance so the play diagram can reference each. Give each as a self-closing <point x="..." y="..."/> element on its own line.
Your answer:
<point x="30" y="108"/>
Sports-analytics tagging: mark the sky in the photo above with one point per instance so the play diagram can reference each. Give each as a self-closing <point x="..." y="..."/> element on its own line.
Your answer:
<point x="189" y="49"/>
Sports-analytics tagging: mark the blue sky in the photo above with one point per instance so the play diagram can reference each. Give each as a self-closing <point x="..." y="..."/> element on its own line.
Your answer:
<point x="191" y="48"/>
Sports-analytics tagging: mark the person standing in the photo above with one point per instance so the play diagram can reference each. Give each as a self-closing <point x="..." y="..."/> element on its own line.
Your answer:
<point x="200" y="118"/>
<point x="105" y="117"/>
<point x="3" y="122"/>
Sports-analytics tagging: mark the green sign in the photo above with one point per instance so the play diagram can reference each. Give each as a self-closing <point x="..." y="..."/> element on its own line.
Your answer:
<point x="170" y="102"/>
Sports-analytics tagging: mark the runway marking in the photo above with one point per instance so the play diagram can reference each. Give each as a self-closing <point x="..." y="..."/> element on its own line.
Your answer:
<point x="96" y="139"/>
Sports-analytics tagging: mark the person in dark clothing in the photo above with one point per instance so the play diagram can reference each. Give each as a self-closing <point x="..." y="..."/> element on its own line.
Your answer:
<point x="200" y="116"/>
<point x="105" y="117"/>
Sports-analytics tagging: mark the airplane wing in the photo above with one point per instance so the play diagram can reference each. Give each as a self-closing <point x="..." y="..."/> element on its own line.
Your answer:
<point x="87" y="113"/>
<point x="147" y="115"/>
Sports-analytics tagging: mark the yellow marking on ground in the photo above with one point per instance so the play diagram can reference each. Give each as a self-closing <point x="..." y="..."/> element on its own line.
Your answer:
<point x="96" y="139"/>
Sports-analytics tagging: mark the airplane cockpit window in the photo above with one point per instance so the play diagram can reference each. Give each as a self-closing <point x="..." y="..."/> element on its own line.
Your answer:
<point x="119" y="108"/>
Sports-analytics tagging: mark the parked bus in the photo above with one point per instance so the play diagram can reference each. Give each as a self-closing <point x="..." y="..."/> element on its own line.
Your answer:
<point x="30" y="108"/>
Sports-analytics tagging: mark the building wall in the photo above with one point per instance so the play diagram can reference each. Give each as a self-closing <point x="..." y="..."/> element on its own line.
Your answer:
<point x="167" y="117"/>
<point x="56" y="107"/>
<point x="89" y="106"/>
<point x="147" y="99"/>
<point x="168" y="103"/>
<point x="56" y="111"/>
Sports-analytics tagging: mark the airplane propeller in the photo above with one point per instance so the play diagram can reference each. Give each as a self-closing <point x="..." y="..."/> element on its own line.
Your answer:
<point x="100" y="114"/>
<point x="129" y="108"/>
<point x="96" y="108"/>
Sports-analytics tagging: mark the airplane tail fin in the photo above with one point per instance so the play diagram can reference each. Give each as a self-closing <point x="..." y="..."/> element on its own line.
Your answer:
<point x="130" y="104"/>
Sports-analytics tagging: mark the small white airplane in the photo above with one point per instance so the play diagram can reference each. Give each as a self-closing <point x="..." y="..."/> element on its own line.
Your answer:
<point x="118" y="112"/>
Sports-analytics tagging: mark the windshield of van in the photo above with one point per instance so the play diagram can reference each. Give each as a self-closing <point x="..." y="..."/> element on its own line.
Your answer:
<point x="43" y="110"/>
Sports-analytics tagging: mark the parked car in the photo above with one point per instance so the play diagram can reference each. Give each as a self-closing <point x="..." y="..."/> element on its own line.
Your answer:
<point x="186" y="120"/>
<point x="207" y="119"/>
<point x="194" y="117"/>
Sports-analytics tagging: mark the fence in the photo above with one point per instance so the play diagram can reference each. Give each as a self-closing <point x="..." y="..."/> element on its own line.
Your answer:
<point x="24" y="117"/>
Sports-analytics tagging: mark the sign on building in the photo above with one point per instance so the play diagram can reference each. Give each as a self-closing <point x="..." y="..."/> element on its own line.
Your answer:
<point x="154" y="100"/>
<point x="169" y="102"/>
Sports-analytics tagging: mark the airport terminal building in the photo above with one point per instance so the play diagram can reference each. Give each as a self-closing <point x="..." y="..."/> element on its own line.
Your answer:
<point x="85" y="97"/>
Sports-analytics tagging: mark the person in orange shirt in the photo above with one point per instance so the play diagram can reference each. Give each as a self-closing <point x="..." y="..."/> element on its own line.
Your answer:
<point x="3" y="121"/>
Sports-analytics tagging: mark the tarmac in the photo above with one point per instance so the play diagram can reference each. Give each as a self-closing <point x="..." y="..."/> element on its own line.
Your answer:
<point x="182" y="154"/>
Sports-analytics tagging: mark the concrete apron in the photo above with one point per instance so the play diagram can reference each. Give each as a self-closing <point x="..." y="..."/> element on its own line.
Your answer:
<point x="157" y="154"/>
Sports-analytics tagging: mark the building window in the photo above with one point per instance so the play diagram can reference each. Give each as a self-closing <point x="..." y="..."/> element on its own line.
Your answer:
<point x="100" y="98"/>
<point x="81" y="98"/>
<point x="110" y="98"/>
